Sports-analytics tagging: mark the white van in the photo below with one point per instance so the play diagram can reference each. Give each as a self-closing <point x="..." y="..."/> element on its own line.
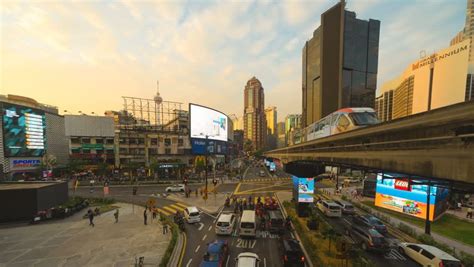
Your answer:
<point x="225" y="224"/>
<point x="248" y="225"/>
<point x="330" y="208"/>
<point x="192" y="215"/>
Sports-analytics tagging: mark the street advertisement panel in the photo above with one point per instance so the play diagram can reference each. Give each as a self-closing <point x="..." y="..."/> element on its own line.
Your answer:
<point x="198" y="147"/>
<point x="401" y="195"/>
<point x="208" y="122"/>
<point x="272" y="166"/>
<point x="305" y="188"/>
<point x="23" y="131"/>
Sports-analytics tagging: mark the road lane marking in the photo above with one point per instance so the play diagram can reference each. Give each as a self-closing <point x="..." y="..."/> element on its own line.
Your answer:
<point x="204" y="237"/>
<point x="189" y="262"/>
<point x="237" y="188"/>
<point x="164" y="212"/>
<point x="227" y="262"/>
<point x="173" y="211"/>
<point x="177" y="207"/>
<point x="196" y="250"/>
<point x="181" y="204"/>
<point x="210" y="227"/>
<point x="201" y="225"/>
<point x="264" y="262"/>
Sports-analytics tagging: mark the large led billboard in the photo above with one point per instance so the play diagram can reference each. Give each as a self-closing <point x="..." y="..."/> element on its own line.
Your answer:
<point x="23" y="131"/>
<point x="401" y="195"/>
<point x="305" y="189"/>
<point x="207" y="121"/>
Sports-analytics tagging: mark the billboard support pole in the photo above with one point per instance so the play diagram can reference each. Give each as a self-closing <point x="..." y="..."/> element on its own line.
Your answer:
<point x="427" y="221"/>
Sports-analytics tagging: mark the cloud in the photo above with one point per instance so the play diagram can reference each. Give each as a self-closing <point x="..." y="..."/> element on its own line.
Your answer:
<point x="202" y="52"/>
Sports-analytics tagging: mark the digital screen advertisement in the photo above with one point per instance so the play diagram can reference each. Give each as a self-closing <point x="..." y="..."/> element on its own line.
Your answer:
<point x="23" y="131"/>
<point x="206" y="121"/>
<point x="198" y="147"/>
<point x="305" y="188"/>
<point x="401" y="195"/>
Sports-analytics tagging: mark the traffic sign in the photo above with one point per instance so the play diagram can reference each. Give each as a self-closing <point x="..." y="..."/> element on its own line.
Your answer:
<point x="151" y="202"/>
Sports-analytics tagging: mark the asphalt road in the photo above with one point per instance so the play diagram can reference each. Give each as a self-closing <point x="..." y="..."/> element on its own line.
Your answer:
<point x="391" y="259"/>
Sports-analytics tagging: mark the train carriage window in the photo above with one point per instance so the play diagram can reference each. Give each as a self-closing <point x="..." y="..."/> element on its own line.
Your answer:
<point x="343" y="122"/>
<point x="333" y="119"/>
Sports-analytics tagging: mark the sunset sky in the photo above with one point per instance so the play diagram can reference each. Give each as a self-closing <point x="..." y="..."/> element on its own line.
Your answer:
<point x="85" y="55"/>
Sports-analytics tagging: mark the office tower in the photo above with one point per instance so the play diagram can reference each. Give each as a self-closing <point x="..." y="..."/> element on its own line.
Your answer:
<point x="271" y="117"/>
<point x="339" y="64"/>
<point x="254" y="113"/>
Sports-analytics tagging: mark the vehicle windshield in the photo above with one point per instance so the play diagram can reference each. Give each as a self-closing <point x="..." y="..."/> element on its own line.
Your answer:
<point x="448" y="263"/>
<point x="377" y="240"/>
<point x="349" y="207"/>
<point x="194" y="214"/>
<point x="247" y="225"/>
<point x="223" y="224"/>
<point x="376" y="221"/>
<point x="364" y="118"/>
<point x="334" y="207"/>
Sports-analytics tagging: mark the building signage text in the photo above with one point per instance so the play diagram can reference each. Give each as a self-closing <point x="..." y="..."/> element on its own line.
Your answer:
<point x="436" y="57"/>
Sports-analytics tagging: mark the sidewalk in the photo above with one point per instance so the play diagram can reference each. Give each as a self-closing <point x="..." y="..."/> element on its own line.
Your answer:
<point x="458" y="246"/>
<point x="72" y="242"/>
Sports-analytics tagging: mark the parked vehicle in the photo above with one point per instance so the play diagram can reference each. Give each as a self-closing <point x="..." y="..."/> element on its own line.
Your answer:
<point x="247" y="259"/>
<point x="225" y="224"/>
<point x="192" y="215"/>
<point x="428" y="255"/>
<point x="175" y="188"/>
<point x="216" y="254"/>
<point x="275" y="222"/>
<point x="346" y="207"/>
<point x="370" y="221"/>
<point x="292" y="253"/>
<point x="248" y="224"/>
<point x="368" y="238"/>
<point x="329" y="208"/>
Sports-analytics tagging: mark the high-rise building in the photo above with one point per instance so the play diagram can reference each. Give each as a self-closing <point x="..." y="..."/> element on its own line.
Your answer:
<point x="254" y="113"/>
<point x="271" y="118"/>
<point x="292" y="122"/>
<point x="281" y="134"/>
<point x="339" y="64"/>
<point x="238" y="122"/>
<point x="434" y="81"/>
<point x="467" y="32"/>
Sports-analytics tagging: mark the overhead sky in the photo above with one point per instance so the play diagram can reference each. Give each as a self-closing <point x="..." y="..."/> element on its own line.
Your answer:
<point x="85" y="55"/>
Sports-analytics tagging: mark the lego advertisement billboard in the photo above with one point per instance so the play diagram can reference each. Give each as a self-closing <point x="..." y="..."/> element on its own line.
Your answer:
<point x="401" y="195"/>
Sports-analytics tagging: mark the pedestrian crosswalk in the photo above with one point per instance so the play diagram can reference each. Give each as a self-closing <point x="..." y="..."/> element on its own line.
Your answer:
<point x="171" y="209"/>
<point x="254" y="199"/>
<point x="286" y="179"/>
<point x="395" y="255"/>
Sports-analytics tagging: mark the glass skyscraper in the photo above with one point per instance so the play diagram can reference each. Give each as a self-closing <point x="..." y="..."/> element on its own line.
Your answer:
<point x="339" y="64"/>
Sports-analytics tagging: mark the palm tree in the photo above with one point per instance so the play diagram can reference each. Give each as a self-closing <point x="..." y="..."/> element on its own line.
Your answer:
<point x="329" y="234"/>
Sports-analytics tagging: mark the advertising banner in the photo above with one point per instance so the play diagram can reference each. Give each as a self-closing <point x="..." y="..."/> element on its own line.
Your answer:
<point x="399" y="194"/>
<point x="25" y="163"/>
<point x="198" y="147"/>
<point x="305" y="188"/>
<point x="23" y="131"/>
<point x="207" y="121"/>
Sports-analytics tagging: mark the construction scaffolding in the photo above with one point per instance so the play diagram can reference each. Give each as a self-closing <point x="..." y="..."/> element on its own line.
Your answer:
<point x="153" y="113"/>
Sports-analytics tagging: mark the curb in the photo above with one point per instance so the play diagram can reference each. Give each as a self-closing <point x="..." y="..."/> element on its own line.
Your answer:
<point x="176" y="255"/>
<point x="308" y="262"/>
<point x="211" y="212"/>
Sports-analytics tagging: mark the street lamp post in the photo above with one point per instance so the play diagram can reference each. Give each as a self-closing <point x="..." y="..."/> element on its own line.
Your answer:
<point x="205" y="165"/>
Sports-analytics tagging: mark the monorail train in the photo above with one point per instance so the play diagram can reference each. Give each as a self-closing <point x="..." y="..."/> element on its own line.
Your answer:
<point x="343" y="120"/>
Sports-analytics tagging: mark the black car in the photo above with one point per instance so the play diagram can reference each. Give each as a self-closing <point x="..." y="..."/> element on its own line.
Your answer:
<point x="292" y="253"/>
<point x="275" y="222"/>
<point x="368" y="238"/>
<point x="370" y="221"/>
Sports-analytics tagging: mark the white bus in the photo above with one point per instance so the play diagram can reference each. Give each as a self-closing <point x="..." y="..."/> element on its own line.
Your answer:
<point x="248" y="225"/>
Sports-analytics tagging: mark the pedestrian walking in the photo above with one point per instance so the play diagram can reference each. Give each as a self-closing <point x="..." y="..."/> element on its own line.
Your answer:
<point x="154" y="213"/>
<point x="90" y="214"/>
<point x="116" y="215"/>
<point x="145" y="216"/>
<point x="165" y="228"/>
<point x="469" y="213"/>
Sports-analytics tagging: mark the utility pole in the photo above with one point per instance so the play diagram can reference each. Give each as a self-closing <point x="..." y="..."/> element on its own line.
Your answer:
<point x="427" y="221"/>
<point x="205" y="164"/>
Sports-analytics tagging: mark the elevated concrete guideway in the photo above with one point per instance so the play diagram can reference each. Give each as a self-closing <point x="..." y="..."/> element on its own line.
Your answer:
<point x="437" y="144"/>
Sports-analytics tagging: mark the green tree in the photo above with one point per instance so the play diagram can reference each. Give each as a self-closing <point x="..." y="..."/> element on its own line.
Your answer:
<point x="248" y="146"/>
<point x="75" y="165"/>
<point x="330" y="235"/>
<point x="102" y="168"/>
